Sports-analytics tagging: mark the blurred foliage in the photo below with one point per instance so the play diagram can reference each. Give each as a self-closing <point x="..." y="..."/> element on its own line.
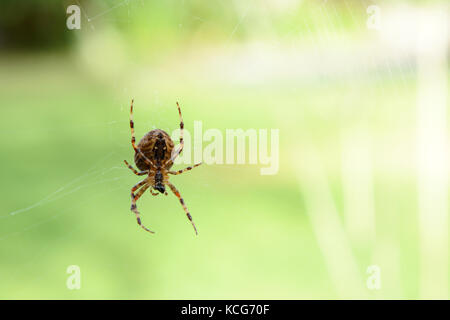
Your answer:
<point x="159" y="25"/>
<point x="31" y="24"/>
<point x="65" y="133"/>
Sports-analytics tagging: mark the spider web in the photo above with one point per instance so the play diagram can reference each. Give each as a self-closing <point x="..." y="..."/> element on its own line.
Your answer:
<point x="101" y="173"/>
<point x="108" y="175"/>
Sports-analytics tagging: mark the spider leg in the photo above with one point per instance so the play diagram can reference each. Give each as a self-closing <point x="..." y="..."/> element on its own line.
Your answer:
<point x="184" y="170"/>
<point x="134" y="198"/>
<point x="154" y="194"/>
<point x="138" y="173"/>
<point x="177" y="194"/>
<point x="180" y="148"/>
<point x="133" y="138"/>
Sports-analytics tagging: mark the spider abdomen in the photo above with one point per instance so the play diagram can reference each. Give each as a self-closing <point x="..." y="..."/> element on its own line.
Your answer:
<point x="157" y="146"/>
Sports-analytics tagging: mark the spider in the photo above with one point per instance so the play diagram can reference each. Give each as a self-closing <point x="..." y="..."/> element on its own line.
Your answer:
<point x="154" y="156"/>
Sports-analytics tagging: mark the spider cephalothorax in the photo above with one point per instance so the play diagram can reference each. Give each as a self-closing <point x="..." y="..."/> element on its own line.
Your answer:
<point x="154" y="156"/>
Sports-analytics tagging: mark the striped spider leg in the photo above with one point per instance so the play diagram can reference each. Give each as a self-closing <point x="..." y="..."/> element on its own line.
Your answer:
<point x="134" y="197"/>
<point x="133" y="138"/>
<point x="177" y="194"/>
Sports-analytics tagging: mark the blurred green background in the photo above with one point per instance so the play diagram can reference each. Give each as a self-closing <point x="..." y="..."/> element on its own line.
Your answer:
<point x="351" y="191"/>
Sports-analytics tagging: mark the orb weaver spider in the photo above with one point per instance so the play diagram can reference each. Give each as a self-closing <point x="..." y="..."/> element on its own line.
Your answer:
<point x="154" y="156"/>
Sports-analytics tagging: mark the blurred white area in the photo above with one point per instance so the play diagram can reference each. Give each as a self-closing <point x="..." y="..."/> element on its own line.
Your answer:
<point x="327" y="51"/>
<point x="357" y="186"/>
<point x="432" y="151"/>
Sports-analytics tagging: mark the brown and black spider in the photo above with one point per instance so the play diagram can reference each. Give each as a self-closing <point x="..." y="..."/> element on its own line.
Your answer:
<point x="153" y="156"/>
